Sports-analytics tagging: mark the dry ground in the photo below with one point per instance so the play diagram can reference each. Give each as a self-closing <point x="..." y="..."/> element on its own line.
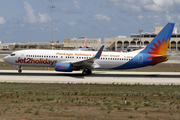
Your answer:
<point x="89" y="101"/>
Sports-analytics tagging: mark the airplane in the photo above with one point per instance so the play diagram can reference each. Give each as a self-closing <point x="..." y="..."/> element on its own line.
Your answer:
<point x="85" y="43"/>
<point x="68" y="60"/>
<point x="120" y="49"/>
<point x="84" y="47"/>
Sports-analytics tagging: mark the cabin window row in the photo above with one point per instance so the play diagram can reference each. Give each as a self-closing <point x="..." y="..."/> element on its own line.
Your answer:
<point x="48" y="56"/>
<point x="42" y="56"/>
<point x="99" y="58"/>
<point x="114" y="59"/>
<point x="68" y="56"/>
<point x="83" y="57"/>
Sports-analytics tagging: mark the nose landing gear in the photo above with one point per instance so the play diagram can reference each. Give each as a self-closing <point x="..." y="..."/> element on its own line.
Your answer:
<point x="19" y="71"/>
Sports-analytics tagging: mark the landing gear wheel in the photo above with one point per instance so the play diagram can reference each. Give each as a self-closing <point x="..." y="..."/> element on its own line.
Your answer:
<point x="87" y="72"/>
<point x="19" y="71"/>
<point x="84" y="72"/>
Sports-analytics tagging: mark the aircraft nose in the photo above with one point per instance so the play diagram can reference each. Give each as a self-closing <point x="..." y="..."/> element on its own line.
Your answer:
<point x="6" y="58"/>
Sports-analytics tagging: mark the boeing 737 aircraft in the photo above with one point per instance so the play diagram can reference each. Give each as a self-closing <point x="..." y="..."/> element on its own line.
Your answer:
<point x="68" y="61"/>
<point x="84" y="47"/>
<point x="120" y="49"/>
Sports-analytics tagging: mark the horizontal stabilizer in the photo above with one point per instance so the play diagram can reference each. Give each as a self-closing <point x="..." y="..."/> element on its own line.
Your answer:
<point x="160" y="57"/>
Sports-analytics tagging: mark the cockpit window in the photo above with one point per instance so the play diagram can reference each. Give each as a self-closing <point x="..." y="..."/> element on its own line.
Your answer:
<point x="12" y="54"/>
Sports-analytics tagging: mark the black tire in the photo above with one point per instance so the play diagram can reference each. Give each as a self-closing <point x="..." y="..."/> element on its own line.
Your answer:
<point x="84" y="72"/>
<point x="89" y="72"/>
<point x="19" y="71"/>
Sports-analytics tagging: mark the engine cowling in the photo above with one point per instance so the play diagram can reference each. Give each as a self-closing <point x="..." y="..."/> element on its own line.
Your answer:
<point x="64" y="67"/>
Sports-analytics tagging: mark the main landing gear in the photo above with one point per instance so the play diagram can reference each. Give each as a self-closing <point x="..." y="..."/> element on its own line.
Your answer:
<point x="19" y="71"/>
<point x="87" y="72"/>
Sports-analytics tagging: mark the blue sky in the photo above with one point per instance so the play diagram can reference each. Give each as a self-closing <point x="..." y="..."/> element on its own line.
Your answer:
<point x="31" y="20"/>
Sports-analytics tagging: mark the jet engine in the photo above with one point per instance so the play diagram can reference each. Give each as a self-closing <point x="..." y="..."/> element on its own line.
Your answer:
<point x="64" y="67"/>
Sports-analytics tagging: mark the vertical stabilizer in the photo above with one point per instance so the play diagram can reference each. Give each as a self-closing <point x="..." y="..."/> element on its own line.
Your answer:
<point x="157" y="48"/>
<point x="85" y="43"/>
<point x="120" y="49"/>
<point x="159" y="45"/>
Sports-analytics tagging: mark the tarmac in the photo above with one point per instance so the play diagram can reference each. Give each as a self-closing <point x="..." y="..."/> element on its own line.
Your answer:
<point x="102" y="77"/>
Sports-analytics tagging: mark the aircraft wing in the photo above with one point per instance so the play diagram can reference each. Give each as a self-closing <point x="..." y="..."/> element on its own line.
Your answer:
<point x="89" y="63"/>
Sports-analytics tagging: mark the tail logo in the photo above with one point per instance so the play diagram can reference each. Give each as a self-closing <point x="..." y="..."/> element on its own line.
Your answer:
<point x="159" y="50"/>
<point x="100" y="52"/>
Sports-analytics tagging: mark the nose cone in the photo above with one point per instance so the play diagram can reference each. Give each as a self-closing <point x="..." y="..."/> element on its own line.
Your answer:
<point x="6" y="59"/>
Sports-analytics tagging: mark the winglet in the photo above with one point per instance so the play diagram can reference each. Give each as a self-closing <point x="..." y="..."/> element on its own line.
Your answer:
<point x="98" y="54"/>
<point x="120" y="49"/>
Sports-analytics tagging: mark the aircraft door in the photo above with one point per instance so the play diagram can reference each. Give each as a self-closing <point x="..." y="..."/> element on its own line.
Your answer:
<point x="140" y="59"/>
<point x="22" y="55"/>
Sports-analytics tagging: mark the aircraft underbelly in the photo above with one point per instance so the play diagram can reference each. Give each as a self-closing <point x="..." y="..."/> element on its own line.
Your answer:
<point x="110" y="64"/>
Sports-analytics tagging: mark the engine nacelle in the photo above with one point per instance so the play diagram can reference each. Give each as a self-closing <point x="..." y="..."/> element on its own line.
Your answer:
<point x="64" y="67"/>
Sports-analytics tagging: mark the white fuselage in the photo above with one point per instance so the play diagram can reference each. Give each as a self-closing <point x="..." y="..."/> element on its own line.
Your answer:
<point x="48" y="58"/>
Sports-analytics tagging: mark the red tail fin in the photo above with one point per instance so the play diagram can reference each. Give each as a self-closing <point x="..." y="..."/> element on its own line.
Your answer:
<point x="85" y="43"/>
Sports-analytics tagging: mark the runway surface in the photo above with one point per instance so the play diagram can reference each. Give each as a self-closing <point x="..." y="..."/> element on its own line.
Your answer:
<point x="96" y="77"/>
